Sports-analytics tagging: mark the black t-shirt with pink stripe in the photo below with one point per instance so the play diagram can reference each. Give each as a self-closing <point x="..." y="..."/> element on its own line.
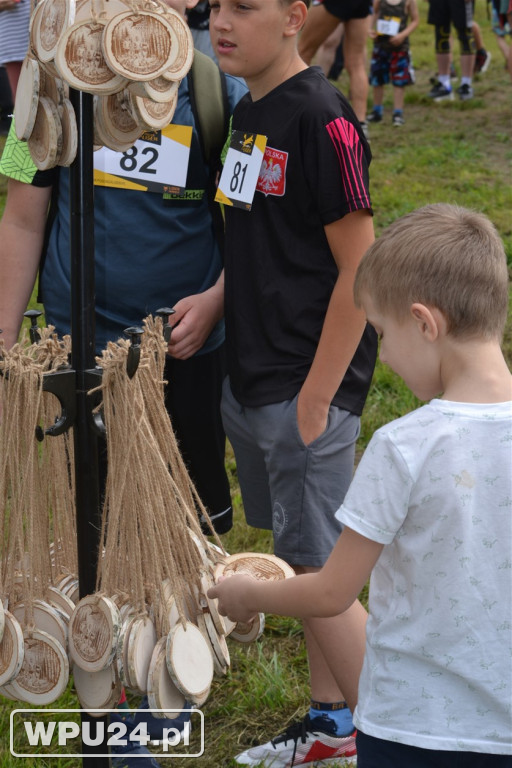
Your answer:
<point x="280" y="271"/>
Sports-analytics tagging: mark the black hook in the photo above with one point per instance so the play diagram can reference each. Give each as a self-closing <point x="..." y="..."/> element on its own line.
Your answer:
<point x="132" y="362"/>
<point x="164" y="313"/>
<point x="33" y="314"/>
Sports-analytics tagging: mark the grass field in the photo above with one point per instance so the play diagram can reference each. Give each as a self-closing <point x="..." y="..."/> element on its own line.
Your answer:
<point x="451" y="152"/>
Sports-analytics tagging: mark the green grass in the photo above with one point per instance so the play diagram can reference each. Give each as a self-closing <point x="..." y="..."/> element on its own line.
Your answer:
<point x="453" y="152"/>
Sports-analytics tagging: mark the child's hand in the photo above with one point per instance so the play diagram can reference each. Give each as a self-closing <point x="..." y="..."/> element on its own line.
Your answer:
<point x="397" y="40"/>
<point x="232" y="594"/>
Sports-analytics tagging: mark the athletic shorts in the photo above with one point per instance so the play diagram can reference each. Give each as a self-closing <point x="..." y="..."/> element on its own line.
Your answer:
<point x="378" y="753"/>
<point x="442" y="13"/>
<point x="393" y="67"/>
<point x="192" y="398"/>
<point x="288" y="487"/>
<point x="344" y="10"/>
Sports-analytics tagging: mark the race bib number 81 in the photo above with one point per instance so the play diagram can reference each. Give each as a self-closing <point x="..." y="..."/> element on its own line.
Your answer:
<point x="241" y="170"/>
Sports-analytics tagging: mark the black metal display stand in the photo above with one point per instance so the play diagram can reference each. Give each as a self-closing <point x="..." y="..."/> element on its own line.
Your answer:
<point x="88" y="503"/>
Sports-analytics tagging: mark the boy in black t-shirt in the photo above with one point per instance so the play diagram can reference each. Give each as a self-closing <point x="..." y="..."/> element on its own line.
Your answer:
<point x="300" y="357"/>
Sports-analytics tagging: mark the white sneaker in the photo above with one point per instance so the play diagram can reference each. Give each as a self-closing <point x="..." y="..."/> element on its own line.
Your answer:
<point x="303" y="743"/>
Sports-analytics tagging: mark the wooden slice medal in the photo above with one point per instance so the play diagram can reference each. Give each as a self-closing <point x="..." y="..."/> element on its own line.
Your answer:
<point x="159" y="89"/>
<point x="27" y="98"/>
<point x="259" y="565"/>
<point x="49" y="26"/>
<point x="69" y="133"/>
<point x="153" y="115"/>
<point x="94" y="631"/>
<point x="45" y="619"/>
<point x="115" y="124"/>
<point x="62" y="603"/>
<point x="45" y="141"/>
<point x="80" y="62"/>
<point x="140" y="45"/>
<point x="212" y="605"/>
<point x="11" y="649"/>
<point x="248" y="632"/>
<point x="162" y="692"/>
<point x="183" y="60"/>
<point x="97" y="690"/>
<point x="141" y="644"/>
<point x="44" y="674"/>
<point x="190" y="662"/>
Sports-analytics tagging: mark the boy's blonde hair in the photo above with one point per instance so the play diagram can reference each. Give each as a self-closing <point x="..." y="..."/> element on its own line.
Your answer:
<point x="442" y="256"/>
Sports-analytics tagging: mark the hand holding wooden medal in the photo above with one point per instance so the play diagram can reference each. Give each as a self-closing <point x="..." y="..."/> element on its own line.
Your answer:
<point x="233" y="593"/>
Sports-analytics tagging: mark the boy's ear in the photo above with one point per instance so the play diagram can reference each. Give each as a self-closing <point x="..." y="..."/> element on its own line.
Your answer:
<point x="296" y="18"/>
<point x="429" y="320"/>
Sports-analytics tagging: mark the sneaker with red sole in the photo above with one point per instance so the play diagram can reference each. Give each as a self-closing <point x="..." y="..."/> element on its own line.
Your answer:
<point x="307" y="742"/>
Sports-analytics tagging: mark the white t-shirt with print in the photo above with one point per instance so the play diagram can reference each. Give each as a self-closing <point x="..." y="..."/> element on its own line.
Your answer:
<point x="435" y="487"/>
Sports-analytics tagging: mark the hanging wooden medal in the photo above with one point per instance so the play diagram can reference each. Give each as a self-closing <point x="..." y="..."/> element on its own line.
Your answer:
<point x="259" y="565"/>
<point x="153" y="115"/>
<point x="97" y="690"/>
<point x="141" y="644"/>
<point x="45" y="141"/>
<point x="160" y="89"/>
<point x="49" y="26"/>
<point x="62" y="603"/>
<point x="80" y="62"/>
<point x="212" y="604"/>
<point x="183" y="61"/>
<point x="248" y="632"/>
<point x="140" y="44"/>
<point x="44" y="674"/>
<point x="162" y="692"/>
<point x="69" y="133"/>
<point x="190" y="662"/>
<point x="115" y="124"/>
<point x="217" y="643"/>
<point x="11" y="649"/>
<point x="45" y="618"/>
<point x="94" y="630"/>
<point x="27" y="98"/>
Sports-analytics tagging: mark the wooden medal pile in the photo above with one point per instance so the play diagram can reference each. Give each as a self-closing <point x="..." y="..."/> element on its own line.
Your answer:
<point x="38" y="528"/>
<point x="131" y="54"/>
<point x="150" y="625"/>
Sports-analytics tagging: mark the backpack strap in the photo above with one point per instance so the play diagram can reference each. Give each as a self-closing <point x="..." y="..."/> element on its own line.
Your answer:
<point x="210" y="107"/>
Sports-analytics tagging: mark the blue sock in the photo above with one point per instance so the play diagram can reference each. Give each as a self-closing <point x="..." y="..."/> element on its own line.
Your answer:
<point x="398" y="111"/>
<point x="337" y="712"/>
<point x="378" y="109"/>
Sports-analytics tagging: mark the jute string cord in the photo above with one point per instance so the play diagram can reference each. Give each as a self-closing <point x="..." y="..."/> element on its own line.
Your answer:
<point x="36" y="484"/>
<point x="150" y="503"/>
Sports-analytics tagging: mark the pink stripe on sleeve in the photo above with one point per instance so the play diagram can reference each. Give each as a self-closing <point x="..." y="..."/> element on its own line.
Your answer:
<point x="350" y="154"/>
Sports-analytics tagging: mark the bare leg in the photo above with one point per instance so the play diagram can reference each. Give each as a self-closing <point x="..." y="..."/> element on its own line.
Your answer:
<point x="398" y="98"/>
<point x="378" y="95"/>
<point x="327" y="51"/>
<point x="319" y="25"/>
<point x="354" y="51"/>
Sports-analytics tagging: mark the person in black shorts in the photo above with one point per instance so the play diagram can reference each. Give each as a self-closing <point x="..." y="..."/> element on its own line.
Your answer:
<point x="323" y="18"/>
<point x="442" y="14"/>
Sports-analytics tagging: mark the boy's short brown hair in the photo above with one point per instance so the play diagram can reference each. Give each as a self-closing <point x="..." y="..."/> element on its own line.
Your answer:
<point x="444" y="256"/>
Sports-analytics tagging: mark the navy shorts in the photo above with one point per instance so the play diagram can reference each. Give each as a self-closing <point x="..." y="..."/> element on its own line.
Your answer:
<point x="378" y="753"/>
<point x="288" y="487"/>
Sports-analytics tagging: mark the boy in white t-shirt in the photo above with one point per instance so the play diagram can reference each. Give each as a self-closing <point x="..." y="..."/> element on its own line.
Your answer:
<point x="428" y="513"/>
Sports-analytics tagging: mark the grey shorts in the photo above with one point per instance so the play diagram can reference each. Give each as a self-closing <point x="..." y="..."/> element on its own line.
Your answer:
<point x="288" y="487"/>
